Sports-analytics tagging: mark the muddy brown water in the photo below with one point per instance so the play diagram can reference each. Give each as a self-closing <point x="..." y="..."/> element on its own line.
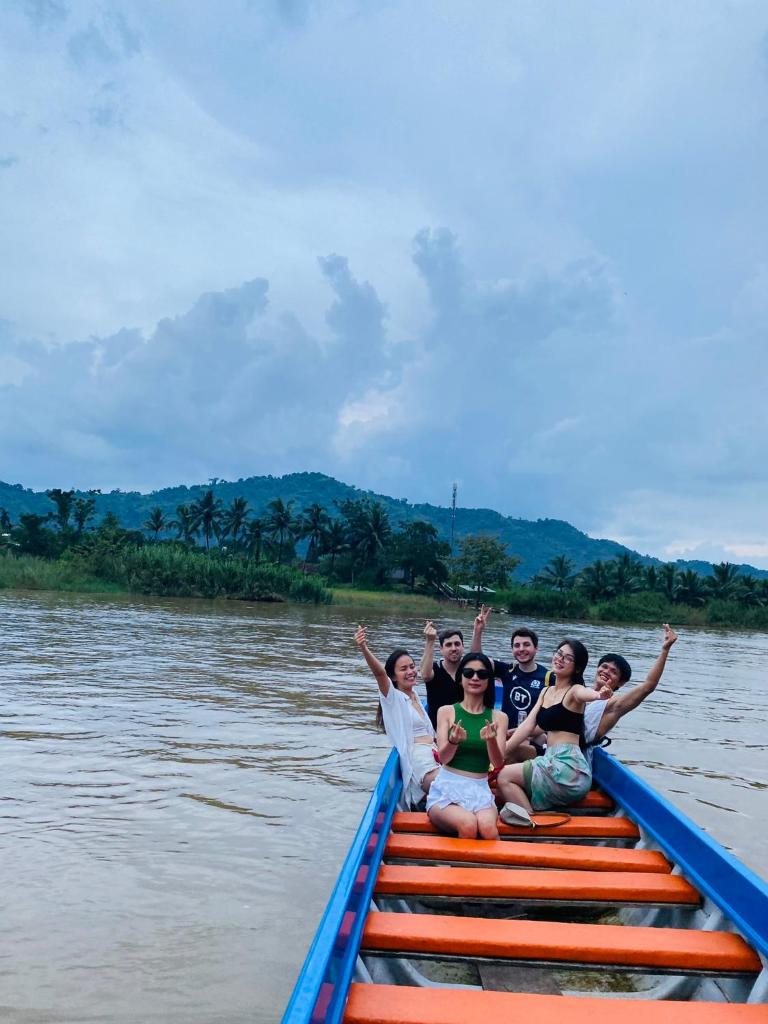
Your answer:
<point x="182" y="780"/>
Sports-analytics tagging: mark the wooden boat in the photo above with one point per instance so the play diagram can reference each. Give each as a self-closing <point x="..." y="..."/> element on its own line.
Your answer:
<point x="689" y="922"/>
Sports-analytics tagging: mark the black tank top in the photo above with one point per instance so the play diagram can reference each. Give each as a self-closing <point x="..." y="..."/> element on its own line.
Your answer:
<point x="558" y="718"/>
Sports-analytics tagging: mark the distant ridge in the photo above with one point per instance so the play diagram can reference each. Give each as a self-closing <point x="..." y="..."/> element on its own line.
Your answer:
<point x="535" y="542"/>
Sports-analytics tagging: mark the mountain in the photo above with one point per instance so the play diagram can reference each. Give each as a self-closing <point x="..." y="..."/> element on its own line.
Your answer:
<point x="535" y="542"/>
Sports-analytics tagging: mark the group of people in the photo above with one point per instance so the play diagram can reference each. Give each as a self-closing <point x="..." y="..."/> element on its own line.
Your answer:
<point x="537" y="746"/>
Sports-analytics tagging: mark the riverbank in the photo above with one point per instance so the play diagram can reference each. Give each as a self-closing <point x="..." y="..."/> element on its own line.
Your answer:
<point x="168" y="572"/>
<point x="162" y="572"/>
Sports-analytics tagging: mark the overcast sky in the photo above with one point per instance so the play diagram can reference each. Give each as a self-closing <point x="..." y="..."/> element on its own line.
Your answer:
<point x="519" y="245"/>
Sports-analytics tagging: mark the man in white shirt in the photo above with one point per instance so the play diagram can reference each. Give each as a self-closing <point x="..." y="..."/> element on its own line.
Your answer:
<point x="613" y="670"/>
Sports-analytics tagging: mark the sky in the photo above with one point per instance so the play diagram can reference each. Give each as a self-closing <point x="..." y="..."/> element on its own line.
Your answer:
<point x="520" y="245"/>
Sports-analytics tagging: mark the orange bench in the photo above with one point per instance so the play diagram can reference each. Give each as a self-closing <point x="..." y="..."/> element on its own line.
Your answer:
<point x="524" y="885"/>
<point x="578" y="827"/>
<point x="595" y="800"/>
<point x="403" y="1004"/>
<point x="448" y="850"/>
<point x="613" y="946"/>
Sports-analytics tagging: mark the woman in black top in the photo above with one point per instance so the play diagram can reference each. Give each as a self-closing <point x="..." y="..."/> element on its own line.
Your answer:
<point x="562" y="776"/>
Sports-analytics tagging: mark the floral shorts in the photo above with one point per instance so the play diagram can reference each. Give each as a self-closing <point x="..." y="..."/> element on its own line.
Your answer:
<point x="559" y="778"/>
<point x="451" y="788"/>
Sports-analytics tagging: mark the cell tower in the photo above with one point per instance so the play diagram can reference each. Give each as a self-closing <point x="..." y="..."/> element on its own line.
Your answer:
<point x="453" y="513"/>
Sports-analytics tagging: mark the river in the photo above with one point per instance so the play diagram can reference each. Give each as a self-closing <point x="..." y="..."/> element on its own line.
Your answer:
<point x="183" y="779"/>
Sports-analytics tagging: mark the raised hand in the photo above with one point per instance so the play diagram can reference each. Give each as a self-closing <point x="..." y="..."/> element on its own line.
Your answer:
<point x="605" y="692"/>
<point x="669" y="637"/>
<point x="488" y="732"/>
<point x="360" y="637"/>
<point x="430" y="632"/>
<point x="457" y="733"/>
<point x="481" y="619"/>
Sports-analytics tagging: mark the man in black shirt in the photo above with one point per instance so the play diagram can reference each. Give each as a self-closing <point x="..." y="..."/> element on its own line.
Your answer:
<point x="521" y="680"/>
<point x="440" y="676"/>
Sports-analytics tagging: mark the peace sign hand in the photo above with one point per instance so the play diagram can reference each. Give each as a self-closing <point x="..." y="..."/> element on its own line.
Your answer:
<point x="481" y="619"/>
<point x="360" y="637"/>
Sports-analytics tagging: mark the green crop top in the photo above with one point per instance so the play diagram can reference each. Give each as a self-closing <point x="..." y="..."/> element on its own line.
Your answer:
<point x="472" y="754"/>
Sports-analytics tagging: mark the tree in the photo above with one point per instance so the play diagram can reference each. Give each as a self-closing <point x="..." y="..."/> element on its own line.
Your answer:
<point x="63" y="500"/>
<point x="255" y="532"/>
<point x="596" y="581"/>
<point x="557" y="573"/>
<point x="483" y="562"/>
<point x="206" y="512"/>
<point x="5" y="521"/>
<point x="750" y="593"/>
<point x="281" y="524"/>
<point x="84" y="510"/>
<point x="32" y="536"/>
<point x="417" y="550"/>
<point x="724" y="581"/>
<point x="234" y="519"/>
<point x="368" y="531"/>
<point x="333" y="541"/>
<point x="691" y="589"/>
<point x="313" y="522"/>
<point x="668" y="583"/>
<point x="627" y="574"/>
<point x="156" y="522"/>
<point x="184" y="524"/>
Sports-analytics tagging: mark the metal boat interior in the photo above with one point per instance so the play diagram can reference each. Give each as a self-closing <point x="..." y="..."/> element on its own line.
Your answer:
<point x="624" y="892"/>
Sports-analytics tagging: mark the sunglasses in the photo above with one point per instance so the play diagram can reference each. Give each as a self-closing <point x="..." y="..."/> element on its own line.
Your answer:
<point x="481" y="673"/>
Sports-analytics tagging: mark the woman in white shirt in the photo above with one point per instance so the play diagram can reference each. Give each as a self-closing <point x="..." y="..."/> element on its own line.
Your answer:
<point x="403" y="718"/>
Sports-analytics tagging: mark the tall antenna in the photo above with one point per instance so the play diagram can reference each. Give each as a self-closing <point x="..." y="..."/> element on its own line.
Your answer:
<point x="453" y="512"/>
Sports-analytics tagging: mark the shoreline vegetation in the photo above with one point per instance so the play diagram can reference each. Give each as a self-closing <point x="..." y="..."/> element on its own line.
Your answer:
<point x="354" y="557"/>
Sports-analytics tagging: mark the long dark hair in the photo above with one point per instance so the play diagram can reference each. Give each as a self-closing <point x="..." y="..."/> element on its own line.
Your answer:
<point x="580" y="658"/>
<point x="489" y="696"/>
<point x="389" y="668"/>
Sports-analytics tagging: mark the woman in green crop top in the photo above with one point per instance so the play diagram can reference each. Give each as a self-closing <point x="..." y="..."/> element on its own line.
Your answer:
<point x="460" y="800"/>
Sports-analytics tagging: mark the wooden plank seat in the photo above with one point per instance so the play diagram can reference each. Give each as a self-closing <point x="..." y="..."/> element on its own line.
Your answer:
<point x="448" y="850"/>
<point x="675" y="950"/>
<point x="403" y="1004"/>
<point x="578" y="827"/>
<point x="536" y="885"/>
<point x="595" y="800"/>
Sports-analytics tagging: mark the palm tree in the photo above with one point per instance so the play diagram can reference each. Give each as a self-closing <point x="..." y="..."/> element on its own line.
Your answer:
<point x="157" y="522"/>
<point x="234" y="519"/>
<point x="255" y="532"/>
<point x="207" y="514"/>
<point x="724" y="581"/>
<point x="281" y="524"/>
<point x="369" y="533"/>
<point x="185" y="524"/>
<point x="314" y="520"/>
<point x="627" y="574"/>
<point x="651" y="577"/>
<point x="750" y="593"/>
<point x="596" y="580"/>
<point x="557" y="573"/>
<point x="668" y="582"/>
<point x="334" y="540"/>
<point x="691" y="589"/>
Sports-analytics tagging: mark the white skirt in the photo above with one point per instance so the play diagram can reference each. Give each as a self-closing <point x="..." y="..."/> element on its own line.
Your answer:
<point x="451" y="788"/>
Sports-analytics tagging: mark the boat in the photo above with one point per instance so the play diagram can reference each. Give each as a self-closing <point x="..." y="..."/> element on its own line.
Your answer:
<point x="623" y="884"/>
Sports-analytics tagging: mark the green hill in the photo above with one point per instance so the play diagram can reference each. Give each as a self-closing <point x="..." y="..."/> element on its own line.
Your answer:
<point x="535" y="542"/>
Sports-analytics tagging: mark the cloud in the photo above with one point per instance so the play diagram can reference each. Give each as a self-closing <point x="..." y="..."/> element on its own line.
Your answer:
<point x="216" y="262"/>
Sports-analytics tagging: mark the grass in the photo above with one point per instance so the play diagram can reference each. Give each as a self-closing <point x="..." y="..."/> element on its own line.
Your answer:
<point x="389" y="601"/>
<point x="25" y="572"/>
